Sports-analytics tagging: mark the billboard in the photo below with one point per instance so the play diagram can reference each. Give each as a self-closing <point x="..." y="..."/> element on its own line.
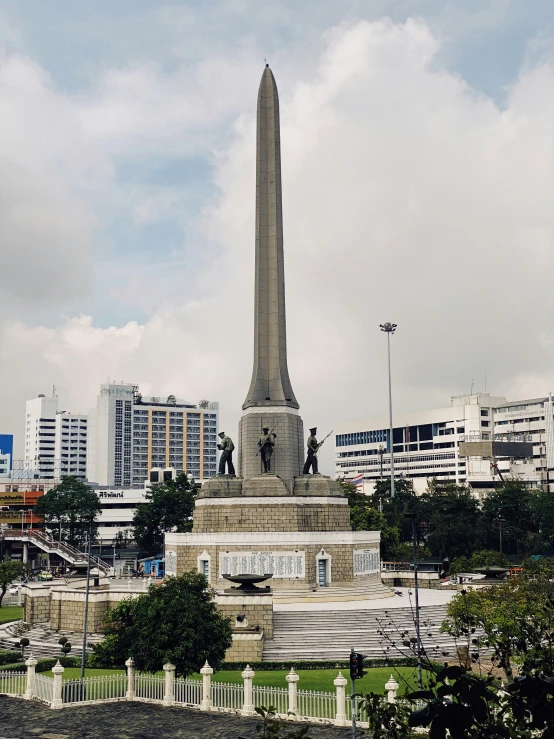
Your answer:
<point x="6" y="446"/>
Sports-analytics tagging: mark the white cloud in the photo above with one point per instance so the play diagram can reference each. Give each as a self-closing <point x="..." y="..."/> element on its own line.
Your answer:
<point x="408" y="197"/>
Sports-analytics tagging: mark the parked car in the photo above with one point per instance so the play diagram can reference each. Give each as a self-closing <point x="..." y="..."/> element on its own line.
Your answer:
<point x="44" y="576"/>
<point x="13" y="590"/>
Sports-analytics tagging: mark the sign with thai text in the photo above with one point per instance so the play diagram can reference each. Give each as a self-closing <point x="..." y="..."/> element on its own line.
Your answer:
<point x="278" y="564"/>
<point x="170" y="562"/>
<point x="366" y="561"/>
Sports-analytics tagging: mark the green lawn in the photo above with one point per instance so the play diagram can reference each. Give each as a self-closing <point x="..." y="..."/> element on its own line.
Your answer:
<point x="374" y="681"/>
<point x="10" y="613"/>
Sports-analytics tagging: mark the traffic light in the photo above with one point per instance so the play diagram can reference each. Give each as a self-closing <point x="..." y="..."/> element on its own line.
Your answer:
<point x="357" y="665"/>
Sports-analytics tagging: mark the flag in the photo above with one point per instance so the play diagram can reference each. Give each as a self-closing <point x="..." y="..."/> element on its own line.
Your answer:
<point x="357" y="481"/>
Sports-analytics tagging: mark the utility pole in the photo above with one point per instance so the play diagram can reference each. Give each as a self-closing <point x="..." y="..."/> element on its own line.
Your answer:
<point x="87" y="591"/>
<point x="416" y="588"/>
<point x="390" y="328"/>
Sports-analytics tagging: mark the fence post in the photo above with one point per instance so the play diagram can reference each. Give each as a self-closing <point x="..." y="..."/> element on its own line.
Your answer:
<point x="391" y="687"/>
<point x="340" y="685"/>
<point x="292" y="679"/>
<point x="169" y="694"/>
<point x="58" y="671"/>
<point x="206" y="673"/>
<point x="130" y="665"/>
<point x="248" y="705"/>
<point x="30" y="663"/>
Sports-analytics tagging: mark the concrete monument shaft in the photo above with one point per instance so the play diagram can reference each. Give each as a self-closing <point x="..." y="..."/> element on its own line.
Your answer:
<point x="270" y="385"/>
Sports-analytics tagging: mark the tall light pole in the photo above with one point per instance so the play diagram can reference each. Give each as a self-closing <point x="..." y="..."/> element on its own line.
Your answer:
<point x="390" y="328"/>
<point x="416" y="588"/>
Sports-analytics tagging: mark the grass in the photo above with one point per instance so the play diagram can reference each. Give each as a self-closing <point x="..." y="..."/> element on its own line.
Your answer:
<point x="374" y="681"/>
<point x="10" y="613"/>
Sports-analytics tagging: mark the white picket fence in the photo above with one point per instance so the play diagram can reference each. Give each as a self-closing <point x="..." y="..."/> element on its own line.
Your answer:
<point x="149" y="686"/>
<point x="43" y="688"/>
<point x="102" y="687"/>
<point x="13" y="683"/>
<point x="205" y="694"/>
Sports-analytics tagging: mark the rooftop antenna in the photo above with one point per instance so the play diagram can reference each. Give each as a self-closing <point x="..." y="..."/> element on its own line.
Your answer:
<point x="485" y="383"/>
<point x="53" y="390"/>
<point x="471" y="391"/>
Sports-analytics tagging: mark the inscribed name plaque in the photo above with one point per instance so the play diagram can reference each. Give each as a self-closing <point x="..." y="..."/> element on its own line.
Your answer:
<point x="366" y="561"/>
<point x="170" y="562"/>
<point x="278" y="564"/>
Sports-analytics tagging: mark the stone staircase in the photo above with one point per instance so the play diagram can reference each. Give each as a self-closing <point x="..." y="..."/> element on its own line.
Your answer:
<point x="330" y="594"/>
<point x="43" y="641"/>
<point x="330" y="634"/>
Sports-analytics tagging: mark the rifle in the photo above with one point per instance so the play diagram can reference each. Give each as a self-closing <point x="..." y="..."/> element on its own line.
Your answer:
<point x="321" y="442"/>
<point x="270" y="433"/>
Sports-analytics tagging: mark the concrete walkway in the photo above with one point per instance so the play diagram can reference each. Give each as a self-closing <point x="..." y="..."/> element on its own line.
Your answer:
<point x="427" y="597"/>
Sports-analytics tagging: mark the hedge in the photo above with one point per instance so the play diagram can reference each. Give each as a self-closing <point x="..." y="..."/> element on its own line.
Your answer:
<point x="43" y="665"/>
<point x="320" y="665"/>
<point x="7" y="658"/>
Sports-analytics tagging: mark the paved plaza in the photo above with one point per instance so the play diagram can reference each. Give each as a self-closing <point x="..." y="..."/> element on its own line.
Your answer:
<point x="25" y="720"/>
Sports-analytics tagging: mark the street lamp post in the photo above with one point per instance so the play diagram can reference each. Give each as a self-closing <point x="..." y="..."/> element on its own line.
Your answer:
<point x="416" y="588"/>
<point x="390" y="328"/>
<point x="87" y="592"/>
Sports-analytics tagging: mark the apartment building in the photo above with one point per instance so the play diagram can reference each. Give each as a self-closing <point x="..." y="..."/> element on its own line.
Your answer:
<point x="130" y="433"/>
<point x="513" y="439"/>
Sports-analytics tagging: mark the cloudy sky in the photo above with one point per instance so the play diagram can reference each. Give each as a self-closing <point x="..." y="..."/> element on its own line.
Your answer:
<point x="418" y="168"/>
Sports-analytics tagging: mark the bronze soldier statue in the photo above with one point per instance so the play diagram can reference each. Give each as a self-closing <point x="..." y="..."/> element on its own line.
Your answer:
<point x="266" y="442"/>
<point x="227" y="447"/>
<point x="311" y="459"/>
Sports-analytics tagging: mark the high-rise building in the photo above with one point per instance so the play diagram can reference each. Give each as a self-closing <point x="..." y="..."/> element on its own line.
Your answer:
<point x="129" y="434"/>
<point x="479" y="440"/>
<point x="70" y="445"/>
<point x="40" y="434"/>
<point x="55" y="441"/>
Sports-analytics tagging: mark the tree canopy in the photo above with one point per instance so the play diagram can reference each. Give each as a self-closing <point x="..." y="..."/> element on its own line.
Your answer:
<point x="175" y="622"/>
<point x="67" y="509"/>
<point x="10" y="571"/>
<point x="452" y="524"/>
<point x="169" y="508"/>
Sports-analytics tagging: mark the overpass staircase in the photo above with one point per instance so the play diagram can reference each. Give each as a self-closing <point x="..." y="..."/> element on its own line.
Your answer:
<point x="46" y="543"/>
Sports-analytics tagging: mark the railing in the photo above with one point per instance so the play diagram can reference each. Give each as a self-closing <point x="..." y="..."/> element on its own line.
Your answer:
<point x="44" y="688"/>
<point x="278" y="697"/>
<point x="104" y="687"/>
<point x="14" y="683"/>
<point x="360" y="715"/>
<point x="227" y="695"/>
<point x="72" y="554"/>
<point x="188" y="691"/>
<point x="316" y="704"/>
<point x="149" y="686"/>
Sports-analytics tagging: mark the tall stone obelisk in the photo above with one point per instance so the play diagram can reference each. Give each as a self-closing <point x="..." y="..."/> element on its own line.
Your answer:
<point x="270" y="400"/>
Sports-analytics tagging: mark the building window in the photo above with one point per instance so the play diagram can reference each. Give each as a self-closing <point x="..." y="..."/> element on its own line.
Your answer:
<point x="484" y="411"/>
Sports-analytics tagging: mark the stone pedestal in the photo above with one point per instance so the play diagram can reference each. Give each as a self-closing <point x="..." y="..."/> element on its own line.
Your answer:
<point x="288" y="454"/>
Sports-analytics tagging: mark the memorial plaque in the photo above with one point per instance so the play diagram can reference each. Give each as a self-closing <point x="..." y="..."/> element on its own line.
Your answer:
<point x="170" y="562"/>
<point x="278" y="564"/>
<point x="366" y="561"/>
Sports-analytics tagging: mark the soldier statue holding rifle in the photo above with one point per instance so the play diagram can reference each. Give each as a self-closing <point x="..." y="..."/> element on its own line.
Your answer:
<point x="266" y="442"/>
<point x="313" y="448"/>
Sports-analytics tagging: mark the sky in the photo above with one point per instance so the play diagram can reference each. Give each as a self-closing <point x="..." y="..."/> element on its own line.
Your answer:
<point x="418" y="168"/>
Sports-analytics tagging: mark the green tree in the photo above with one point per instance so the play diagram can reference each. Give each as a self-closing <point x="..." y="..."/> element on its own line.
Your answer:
<point x="365" y="517"/>
<point x="10" y="571"/>
<point x="542" y="511"/>
<point x="516" y="619"/>
<point x="175" y="622"/>
<point x="482" y="558"/>
<point x="513" y="503"/>
<point x="169" y="508"/>
<point x="450" y="517"/>
<point x="67" y="510"/>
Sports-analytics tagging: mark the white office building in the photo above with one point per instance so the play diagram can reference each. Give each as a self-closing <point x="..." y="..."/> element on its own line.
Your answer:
<point x="117" y="511"/>
<point x="129" y="434"/>
<point x="477" y="440"/>
<point x="40" y="434"/>
<point x="70" y="445"/>
<point x="55" y="441"/>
